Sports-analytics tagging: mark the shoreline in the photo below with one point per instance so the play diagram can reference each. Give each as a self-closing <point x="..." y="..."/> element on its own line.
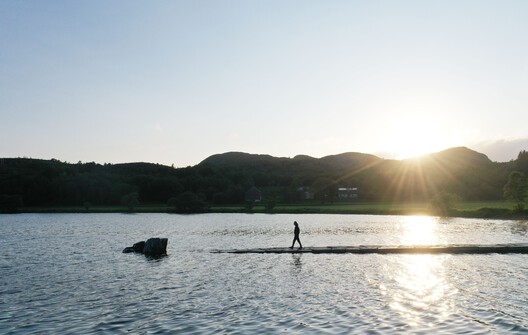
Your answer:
<point x="479" y="213"/>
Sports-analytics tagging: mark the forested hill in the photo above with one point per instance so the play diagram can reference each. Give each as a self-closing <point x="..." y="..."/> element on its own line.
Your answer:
<point x="224" y="178"/>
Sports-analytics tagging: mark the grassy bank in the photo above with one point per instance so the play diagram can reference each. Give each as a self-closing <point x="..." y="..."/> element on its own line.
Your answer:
<point x="491" y="209"/>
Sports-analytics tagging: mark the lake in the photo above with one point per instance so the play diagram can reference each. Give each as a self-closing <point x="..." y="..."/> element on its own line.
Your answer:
<point x="66" y="273"/>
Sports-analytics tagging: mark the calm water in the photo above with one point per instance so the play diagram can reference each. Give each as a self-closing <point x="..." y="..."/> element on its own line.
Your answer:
<point x="65" y="274"/>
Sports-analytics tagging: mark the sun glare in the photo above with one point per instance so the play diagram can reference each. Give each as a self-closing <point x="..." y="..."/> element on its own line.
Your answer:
<point x="415" y="138"/>
<point x="419" y="230"/>
<point x="422" y="283"/>
<point x="422" y="287"/>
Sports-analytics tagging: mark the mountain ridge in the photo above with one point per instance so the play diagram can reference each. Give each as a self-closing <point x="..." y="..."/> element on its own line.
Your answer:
<point x="224" y="178"/>
<point x="230" y="156"/>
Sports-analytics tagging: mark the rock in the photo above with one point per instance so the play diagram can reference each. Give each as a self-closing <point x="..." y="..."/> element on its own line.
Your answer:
<point x="155" y="247"/>
<point x="128" y="249"/>
<point x="137" y="247"/>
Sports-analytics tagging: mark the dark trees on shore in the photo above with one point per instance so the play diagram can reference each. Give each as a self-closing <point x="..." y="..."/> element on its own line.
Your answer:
<point x="517" y="189"/>
<point x="223" y="179"/>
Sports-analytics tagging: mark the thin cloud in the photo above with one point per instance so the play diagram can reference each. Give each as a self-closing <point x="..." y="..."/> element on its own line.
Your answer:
<point x="502" y="150"/>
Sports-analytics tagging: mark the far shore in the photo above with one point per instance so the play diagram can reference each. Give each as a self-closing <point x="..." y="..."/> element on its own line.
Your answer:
<point x="484" y="210"/>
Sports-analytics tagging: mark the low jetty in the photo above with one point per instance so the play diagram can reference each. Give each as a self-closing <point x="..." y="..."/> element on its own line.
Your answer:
<point x="520" y="248"/>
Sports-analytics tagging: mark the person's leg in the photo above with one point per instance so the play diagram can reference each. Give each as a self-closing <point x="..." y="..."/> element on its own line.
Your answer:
<point x="298" y="240"/>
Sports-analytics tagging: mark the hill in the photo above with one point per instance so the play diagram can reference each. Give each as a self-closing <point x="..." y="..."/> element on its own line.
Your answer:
<point x="224" y="178"/>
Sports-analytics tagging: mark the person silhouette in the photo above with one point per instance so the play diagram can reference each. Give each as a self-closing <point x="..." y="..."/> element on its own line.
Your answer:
<point x="296" y="233"/>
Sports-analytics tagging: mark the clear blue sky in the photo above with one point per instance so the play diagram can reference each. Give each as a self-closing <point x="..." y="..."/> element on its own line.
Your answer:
<point x="174" y="82"/>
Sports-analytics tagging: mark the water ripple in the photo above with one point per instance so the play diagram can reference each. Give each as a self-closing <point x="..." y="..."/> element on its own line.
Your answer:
<point x="66" y="274"/>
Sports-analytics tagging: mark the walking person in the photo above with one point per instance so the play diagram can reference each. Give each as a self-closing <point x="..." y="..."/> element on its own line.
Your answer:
<point x="296" y="232"/>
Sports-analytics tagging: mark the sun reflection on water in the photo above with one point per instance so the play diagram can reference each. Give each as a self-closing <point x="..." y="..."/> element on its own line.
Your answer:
<point x="422" y="294"/>
<point x="420" y="289"/>
<point x="419" y="230"/>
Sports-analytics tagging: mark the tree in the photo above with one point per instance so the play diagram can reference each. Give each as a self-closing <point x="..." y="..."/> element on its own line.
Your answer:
<point x="249" y="205"/>
<point x="10" y="203"/>
<point x="187" y="202"/>
<point x="270" y="204"/>
<point x="444" y="202"/>
<point x="130" y="200"/>
<point x="516" y="189"/>
<point x="521" y="163"/>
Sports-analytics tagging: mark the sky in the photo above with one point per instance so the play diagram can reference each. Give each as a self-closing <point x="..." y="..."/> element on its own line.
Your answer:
<point x="173" y="82"/>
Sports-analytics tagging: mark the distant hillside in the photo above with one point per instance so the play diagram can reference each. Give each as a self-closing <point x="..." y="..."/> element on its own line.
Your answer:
<point x="240" y="158"/>
<point x="344" y="160"/>
<point x="459" y="170"/>
<point x="224" y="178"/>
<point x="461" y="156"/>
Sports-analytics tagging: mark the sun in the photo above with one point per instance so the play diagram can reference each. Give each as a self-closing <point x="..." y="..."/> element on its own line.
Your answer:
<point x="414" y="138"/>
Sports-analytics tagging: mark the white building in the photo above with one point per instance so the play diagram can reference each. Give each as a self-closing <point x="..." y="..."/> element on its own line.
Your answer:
<point x="347" y="192"/>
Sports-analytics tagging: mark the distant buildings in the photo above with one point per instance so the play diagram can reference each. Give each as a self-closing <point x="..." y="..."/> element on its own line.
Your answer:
<point x="253" y="195"/>
<point x="343" y="193"/>
<point x="305" y="193"/>
<point x="347" y="193"/>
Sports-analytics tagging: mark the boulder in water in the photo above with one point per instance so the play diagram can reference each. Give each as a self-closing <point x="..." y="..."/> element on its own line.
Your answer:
<point x="138" y="247"/>
<point x="127" y="250"/>
<point x="153" y="247"/>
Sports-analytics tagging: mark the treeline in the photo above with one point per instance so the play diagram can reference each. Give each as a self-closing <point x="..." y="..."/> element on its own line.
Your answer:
<point x="224" y="179"/>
